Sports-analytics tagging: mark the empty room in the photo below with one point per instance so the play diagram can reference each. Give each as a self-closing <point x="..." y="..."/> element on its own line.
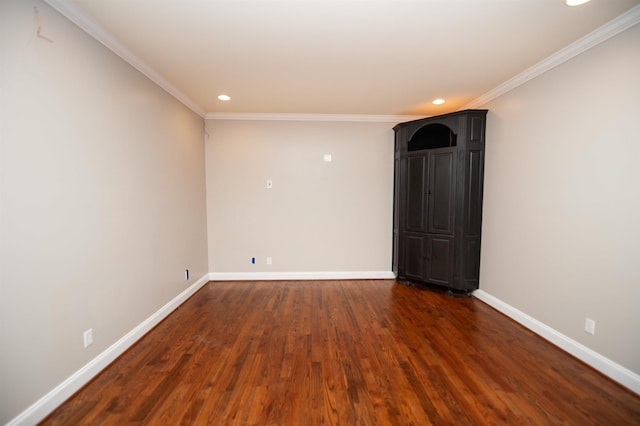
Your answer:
<point x="301" y="212"/>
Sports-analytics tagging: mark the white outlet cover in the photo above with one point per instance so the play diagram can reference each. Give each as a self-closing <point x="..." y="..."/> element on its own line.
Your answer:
<point x="268" y="260"/>
<point x="269" y="183"/>
<point x="327" y="158"/>
<point x="88" y="337"/>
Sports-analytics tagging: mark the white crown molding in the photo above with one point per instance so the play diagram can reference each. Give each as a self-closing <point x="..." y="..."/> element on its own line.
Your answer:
<point x="271" y="276"/>
<point x="311" y="117"/>
<point x="606" y="366"/>
<point x="71" y="12"/>
<point x="603" y="33"/>
<point x="49" y="402"/>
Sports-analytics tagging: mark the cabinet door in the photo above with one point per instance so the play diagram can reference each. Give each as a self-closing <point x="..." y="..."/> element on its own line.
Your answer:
<point x="416" y="197"/>
<point x="414" y="256"/>
<point x="442" y="178"/>
<point x="439" y="265"/>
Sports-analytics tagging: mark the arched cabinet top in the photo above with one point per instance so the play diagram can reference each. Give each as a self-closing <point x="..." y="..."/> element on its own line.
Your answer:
<point x="430" y="136"/>
<point x="457" y="129"/>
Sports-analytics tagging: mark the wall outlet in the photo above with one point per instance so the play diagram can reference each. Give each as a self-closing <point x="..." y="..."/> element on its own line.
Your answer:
<point x="268" y="260"/>
<point x="589" y="326"/>
<point x="327" y="158"/>
<point x="269" y="183"/>
<point x="87" y="336"/>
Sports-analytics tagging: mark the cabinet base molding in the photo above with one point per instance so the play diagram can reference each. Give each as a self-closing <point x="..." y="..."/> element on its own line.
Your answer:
<point x="609" y="368"/>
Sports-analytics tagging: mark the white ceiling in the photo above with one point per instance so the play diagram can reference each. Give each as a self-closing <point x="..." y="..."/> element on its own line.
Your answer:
<point x="386" y="57"/>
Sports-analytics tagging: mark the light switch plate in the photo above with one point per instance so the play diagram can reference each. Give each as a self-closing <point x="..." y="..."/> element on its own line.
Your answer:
<point x="87" y="337"/>
<point x="589" y="326"/>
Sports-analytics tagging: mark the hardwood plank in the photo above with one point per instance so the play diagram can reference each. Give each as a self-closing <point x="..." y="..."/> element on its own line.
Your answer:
<point x="343" y="352"/>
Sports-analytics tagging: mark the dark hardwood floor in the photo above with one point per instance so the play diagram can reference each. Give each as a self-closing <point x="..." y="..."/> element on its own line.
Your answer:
<point x="344" y="352"/>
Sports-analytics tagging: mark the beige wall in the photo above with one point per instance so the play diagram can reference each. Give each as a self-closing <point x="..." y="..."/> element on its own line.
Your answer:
<point x="102" y="201"/>
<point x="562" y="198"/>
<point x="319" y="216"/>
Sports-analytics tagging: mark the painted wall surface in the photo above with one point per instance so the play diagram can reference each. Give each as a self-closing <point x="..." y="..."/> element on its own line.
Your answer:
<point x="319" y="216"/>
<point x="562" y="198"/>
<point x="102" y="201"/>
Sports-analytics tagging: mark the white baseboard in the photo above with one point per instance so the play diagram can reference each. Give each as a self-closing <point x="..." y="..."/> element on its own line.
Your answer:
<point x="606" y="366"/>
<point x="45" y="405"/>
<point x="271" y="276"/>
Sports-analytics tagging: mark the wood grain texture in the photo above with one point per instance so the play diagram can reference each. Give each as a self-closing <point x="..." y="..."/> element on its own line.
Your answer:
<point x="344" y="353"/>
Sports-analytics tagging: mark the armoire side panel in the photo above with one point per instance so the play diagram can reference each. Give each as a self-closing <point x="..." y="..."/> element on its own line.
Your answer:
<point x="477" y="129"/>
<point x="473" y="196"/>
<point x="396" y="215"/>
<point x="471" y="261"/>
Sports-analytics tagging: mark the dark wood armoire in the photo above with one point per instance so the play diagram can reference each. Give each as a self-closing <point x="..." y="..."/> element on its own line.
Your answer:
<point x="437" y="215"/>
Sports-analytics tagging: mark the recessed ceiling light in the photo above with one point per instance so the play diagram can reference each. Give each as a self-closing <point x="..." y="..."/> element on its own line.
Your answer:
<point x="438" y="101"/>
<point x="575" y="2"/>
<point x="224" y="98"/>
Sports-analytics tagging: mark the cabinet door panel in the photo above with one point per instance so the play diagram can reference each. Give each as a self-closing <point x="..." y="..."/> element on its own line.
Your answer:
<point x="471" y="261"/>
<point x="440" y="260"/>
<point x="416" y="202"/>
<point x="441" y="192"/>
<point x="473" y="197"/>
<point x="414" y="258"/>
